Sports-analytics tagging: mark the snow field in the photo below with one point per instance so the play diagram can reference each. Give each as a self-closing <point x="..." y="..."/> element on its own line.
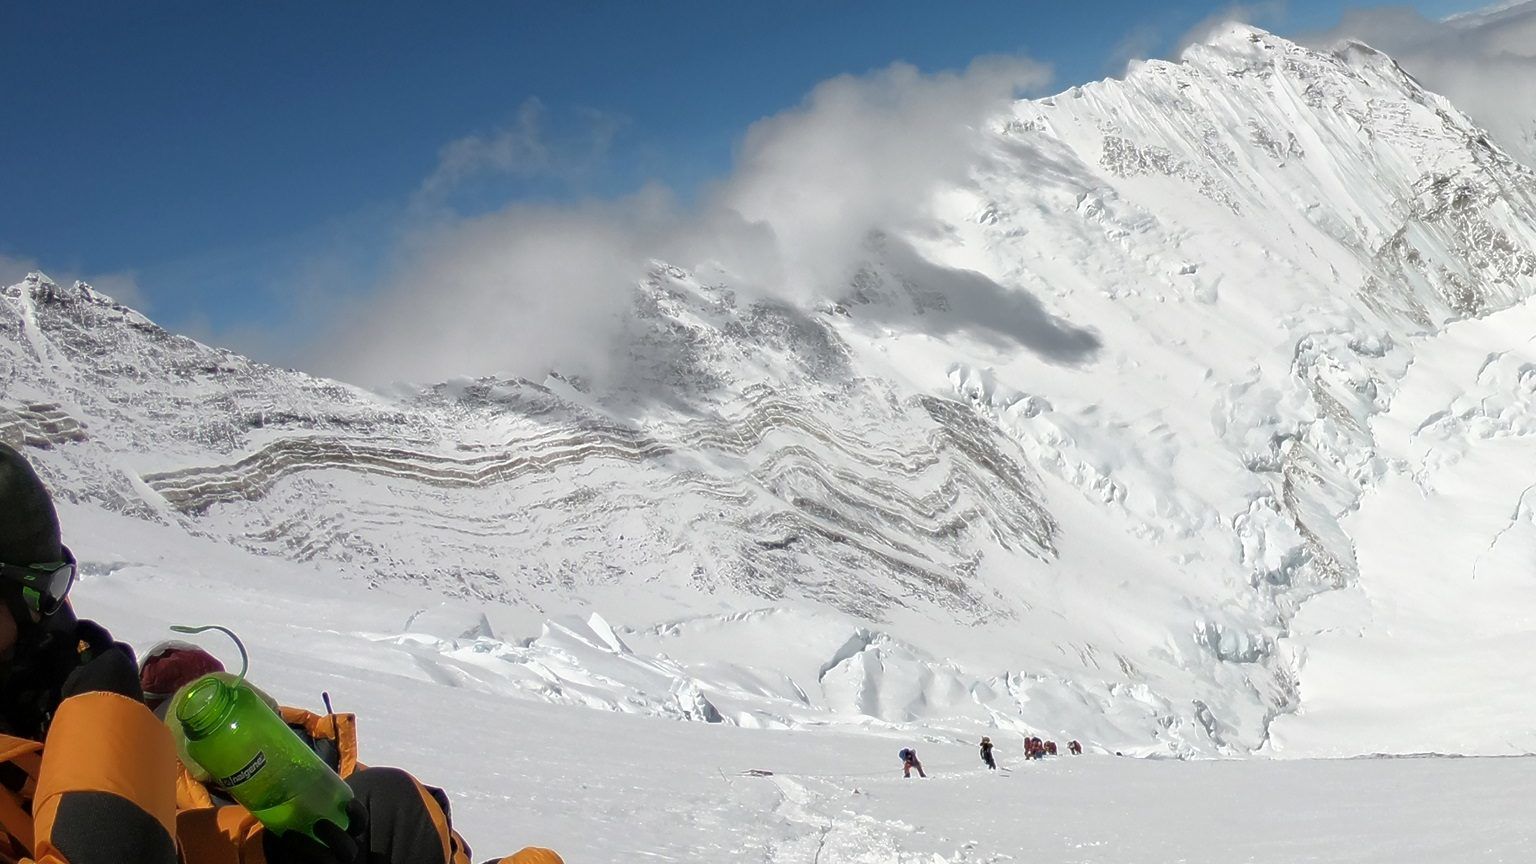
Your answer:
<point x="638" y="785"/>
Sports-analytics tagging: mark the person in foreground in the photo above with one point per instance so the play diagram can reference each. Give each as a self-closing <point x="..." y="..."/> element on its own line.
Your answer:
<point x="87" y="774"/>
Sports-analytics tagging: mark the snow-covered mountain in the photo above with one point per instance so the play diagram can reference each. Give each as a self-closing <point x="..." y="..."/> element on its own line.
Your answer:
<point x="1082" y="457"/>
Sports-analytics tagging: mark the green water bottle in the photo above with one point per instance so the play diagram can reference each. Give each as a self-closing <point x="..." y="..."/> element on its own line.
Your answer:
<point x="252" y="754"/>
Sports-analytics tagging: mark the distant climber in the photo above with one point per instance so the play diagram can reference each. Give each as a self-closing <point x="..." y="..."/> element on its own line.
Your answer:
<point x="1074" y="748"/>
<point x="1050" y="748"/>
<point x="909" y="761"/>
<point x="1033" y="749"/>
<point x="986" y="753"/>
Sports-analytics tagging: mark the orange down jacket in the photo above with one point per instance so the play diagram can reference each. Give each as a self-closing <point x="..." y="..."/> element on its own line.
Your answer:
<point x="104" y="786"/>
<point x="101" y="787"/>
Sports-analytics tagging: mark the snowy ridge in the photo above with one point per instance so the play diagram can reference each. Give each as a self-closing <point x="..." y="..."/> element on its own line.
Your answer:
<point x="1076" y="459"/>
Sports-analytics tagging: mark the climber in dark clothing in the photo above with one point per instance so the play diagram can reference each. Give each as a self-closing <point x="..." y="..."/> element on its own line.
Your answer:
<point x="909" y="761"/>
<point x="986" y="753"/>
<point x="88" y="771"/>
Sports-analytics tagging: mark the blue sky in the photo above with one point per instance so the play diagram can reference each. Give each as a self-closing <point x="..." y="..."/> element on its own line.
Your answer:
<point x="234" y="160"/>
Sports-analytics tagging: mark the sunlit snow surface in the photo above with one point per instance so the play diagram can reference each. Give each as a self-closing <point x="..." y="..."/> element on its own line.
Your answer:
<point x="1197" y="423"/>
<point x="603" y="787"/>
<point x="1440" y="632"/>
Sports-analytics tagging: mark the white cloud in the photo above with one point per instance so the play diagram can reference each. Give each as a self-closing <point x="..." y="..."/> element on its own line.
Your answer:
<point x="527" y="148"/>
<point x="523" y="291"/>
<point x="1484" y="62"/>
<point x="121" y="286"/>
<point x="1138" y="44"/>
<point x="535" y="288"/>
<point x="864" y="153"/>
<point x="13" y="269"/>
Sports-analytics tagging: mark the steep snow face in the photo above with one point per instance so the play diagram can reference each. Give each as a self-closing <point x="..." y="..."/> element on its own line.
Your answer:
<point x="1266" y="239"/>
<point x="1068" y="461"/>
<point x="1439" y="625"/>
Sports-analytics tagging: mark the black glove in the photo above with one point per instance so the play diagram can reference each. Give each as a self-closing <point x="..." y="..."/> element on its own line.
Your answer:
<point x="335" y="847"/>
<point x="105" y="666"/>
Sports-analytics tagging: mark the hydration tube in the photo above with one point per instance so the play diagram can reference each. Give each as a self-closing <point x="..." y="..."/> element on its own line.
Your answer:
<point x="245" y="659"/>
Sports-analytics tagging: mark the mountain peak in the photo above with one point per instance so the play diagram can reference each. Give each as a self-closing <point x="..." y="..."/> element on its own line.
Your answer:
<point x="1235" y="48"/>
<point x="1360" y="56"/>
<point x="44" y="288"/>
<point x="1236" y="34"/>
<point x="1234" y="39"/>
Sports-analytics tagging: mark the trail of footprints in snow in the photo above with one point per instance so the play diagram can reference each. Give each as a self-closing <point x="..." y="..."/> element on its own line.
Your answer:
<point x="826" y="831"/>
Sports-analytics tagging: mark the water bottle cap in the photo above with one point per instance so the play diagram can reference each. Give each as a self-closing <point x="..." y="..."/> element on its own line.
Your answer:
<point x="203" y="706"/>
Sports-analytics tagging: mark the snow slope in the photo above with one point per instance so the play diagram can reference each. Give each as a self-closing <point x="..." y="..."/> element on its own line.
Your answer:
<point x="1111" y="447"/>
<point x="606" y="786"/>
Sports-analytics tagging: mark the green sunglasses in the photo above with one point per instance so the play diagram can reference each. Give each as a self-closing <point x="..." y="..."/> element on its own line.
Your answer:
<point x="43" y="586"/>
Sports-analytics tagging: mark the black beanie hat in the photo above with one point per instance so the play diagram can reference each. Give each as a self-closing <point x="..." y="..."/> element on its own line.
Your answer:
<point x="29" y="527"/>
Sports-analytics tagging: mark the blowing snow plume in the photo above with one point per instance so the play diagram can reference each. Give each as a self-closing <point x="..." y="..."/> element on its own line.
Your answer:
<point x="531" y="289"/>
<point x="1485" y="62"/>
